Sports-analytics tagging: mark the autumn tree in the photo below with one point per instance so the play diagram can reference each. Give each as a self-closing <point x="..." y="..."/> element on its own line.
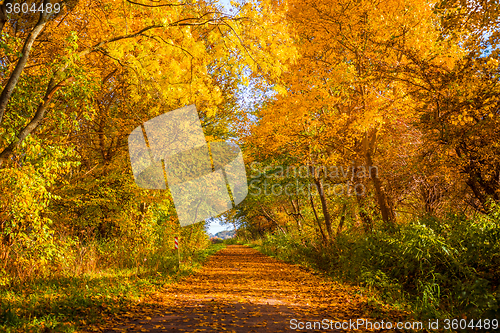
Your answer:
<point x="94" y="72"/>
<point x="348" y="94"/>
<point x="458" y="106"/>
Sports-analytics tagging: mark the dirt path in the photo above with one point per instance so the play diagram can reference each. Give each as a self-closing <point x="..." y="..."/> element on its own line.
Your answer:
<point x="241" y="290"/>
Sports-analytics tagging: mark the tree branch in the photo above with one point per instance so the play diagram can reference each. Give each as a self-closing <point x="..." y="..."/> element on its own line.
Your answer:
<point x="16" y="73"/>
<point x="33" y="124"/>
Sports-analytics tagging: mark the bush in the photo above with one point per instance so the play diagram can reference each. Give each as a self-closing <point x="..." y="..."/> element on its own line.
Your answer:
<point x="441" y="267"/>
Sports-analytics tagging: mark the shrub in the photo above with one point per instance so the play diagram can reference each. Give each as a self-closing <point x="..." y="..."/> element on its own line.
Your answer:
<point x="442" y="267"/>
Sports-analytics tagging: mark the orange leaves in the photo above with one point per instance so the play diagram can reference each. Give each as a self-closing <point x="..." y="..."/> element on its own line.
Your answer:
<point x="345" y="81"/>
<point x="262" y="295"/>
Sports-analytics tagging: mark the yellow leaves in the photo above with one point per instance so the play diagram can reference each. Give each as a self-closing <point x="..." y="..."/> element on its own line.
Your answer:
<point x="492" y="63"/>
<point x="211" y="112"/>
<point x="213" y="36"/>
<point x="171" y="61"/>
<point x="334" y="70"/>
<point x="462" y="119"/>
<point x="280" y="89"/>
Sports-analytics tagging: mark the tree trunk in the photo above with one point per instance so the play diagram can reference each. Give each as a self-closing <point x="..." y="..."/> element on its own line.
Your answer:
<point x="367" y="221"/>
<point x="295" y="214"/>
<point x="3" y="15"/>
<point x="385" y="209"/>
<point x="317" y="219"/>
<point x="342" y="219"/>
<point x="16" y="73"/>
<point x="33" y="124"/>
<point x="270" y="219"/>
<point x="324" y="207"/>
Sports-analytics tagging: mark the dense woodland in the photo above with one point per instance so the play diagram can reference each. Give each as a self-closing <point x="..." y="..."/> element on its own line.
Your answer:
<point x="370" y="131"/>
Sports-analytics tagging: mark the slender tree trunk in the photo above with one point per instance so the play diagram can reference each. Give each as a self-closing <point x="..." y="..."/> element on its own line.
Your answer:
<point x="324" y="207"/>
<point x="21" y="63"/>
<point x="367" y="221"/>
<point x="3" y="15"/>
<point x="270" y="219"/>
<point x="323" y="236"/>
<point x="33" y="124"/>
<point x="342" y="220"/>
<point x="295" y="214"/>
<point x="385" y="209"/>
<point x="473" y="185"/>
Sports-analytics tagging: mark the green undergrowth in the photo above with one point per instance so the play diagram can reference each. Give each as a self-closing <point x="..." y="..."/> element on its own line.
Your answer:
<point x="231" y="241"/>
<point x="447" y="268"/>
<point x="62" y="304"/>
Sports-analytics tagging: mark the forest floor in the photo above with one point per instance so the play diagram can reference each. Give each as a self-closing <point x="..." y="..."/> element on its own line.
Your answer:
<point x="241" y="290"/>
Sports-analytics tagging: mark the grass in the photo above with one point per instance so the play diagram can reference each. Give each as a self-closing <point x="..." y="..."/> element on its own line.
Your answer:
<point x="66" y="303"/>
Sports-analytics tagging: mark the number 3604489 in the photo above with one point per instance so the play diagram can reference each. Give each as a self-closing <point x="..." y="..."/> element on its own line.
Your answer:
<point x="26" y="8"/>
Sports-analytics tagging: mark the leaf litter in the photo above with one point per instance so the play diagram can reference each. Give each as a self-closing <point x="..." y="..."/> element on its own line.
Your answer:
<point x="241" y="290"/>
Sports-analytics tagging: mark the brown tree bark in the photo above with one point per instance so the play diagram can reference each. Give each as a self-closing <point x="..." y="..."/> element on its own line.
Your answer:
<point x="368" y="147"/>
<point x="323" y="236"/>
<point x="21" y="63"/>
<point x="324" y="207"/>
<point x="3" y="14"/>
<point x="271" y="219"/>
<point x="342" y="220"/>
<point x="33" y="124"/>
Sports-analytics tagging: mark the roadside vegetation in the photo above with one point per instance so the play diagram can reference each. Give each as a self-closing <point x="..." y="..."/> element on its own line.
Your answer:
<point x="431" y="268"/>
<point x="100" y="281"/>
